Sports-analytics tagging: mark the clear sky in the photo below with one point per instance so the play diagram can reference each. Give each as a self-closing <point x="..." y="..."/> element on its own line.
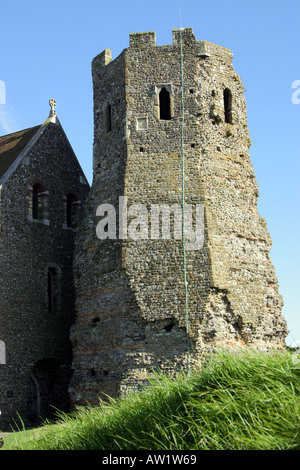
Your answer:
<point x="46" y="51"/>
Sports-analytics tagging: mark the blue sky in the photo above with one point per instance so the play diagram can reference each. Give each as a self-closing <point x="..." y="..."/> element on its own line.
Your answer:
<point x="47" y="49"/>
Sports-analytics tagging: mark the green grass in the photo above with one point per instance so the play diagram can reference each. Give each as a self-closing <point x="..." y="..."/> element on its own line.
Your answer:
<point x="245" y="401"/>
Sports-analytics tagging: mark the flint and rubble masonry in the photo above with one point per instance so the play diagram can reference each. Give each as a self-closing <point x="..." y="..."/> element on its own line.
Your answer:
<point x="131" y="294"/>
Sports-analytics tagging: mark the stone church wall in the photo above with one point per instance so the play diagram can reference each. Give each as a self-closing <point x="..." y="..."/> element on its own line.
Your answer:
<point x="38" y="348"/>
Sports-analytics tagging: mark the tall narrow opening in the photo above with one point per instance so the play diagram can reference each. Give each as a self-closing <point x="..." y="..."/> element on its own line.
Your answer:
<point x="39" y="204"/>
<point x="51" y="290"/>
<point x="165" y="104"/>
<point x="228" y="106"/>
<point x="35" y="201"/>
<point x="32" y="401"/>
<point x="108" y="118"/>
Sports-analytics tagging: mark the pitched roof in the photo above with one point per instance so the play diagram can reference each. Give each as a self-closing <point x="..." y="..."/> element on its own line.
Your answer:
<point x="11" y="146"/>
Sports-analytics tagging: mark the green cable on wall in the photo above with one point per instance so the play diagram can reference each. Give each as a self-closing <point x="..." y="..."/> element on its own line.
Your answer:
<point x="183" y="199"/>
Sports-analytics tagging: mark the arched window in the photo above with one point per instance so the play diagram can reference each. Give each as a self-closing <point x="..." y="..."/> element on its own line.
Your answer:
<point x="165" y="104"/>
<point x="228" y="106"/>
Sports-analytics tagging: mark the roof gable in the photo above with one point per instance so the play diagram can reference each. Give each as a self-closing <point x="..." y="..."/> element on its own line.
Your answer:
<point x="11" y="146"/>
<point x="14" y="147"/>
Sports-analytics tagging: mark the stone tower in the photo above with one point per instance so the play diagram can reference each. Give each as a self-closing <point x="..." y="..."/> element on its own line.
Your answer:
<point x="131" y="296"/>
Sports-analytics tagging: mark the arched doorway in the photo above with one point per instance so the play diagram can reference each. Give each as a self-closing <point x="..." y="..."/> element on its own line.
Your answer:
<point x="47" y="391"/>
<point x="33" y="401"/>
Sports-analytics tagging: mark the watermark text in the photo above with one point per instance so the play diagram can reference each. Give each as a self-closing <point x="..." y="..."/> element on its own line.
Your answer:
<point x="162" y="222"/>
<point x="296" y="93"/>
<point x="2" y="92"/>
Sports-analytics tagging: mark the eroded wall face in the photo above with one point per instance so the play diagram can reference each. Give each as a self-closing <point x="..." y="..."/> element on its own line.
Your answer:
<point x="131" y="304"/>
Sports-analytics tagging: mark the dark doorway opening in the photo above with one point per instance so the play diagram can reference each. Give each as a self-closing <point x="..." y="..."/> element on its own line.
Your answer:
<point x="33" y="401"/>
<point x="47" y="391"/>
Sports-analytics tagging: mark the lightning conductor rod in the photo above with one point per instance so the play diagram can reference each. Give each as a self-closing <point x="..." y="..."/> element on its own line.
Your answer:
<point x="183" y="200"/>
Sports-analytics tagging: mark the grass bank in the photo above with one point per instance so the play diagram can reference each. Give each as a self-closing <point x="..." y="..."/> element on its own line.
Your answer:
<point x="245" y="401"/>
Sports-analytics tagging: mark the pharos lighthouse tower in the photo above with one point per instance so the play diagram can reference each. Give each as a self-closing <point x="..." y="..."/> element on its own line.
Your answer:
<point x="131" y="295"/>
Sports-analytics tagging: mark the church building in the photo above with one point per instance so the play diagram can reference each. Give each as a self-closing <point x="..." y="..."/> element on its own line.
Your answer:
<point x="42" y="190"/>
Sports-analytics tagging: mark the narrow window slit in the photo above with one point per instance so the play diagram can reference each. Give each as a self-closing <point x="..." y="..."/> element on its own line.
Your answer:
<point x="35" y="202"/>
<point x="165" y="105"/>
<point x="51" y="290"/>
<point x="228" y="106"/>
<point x="108" y="118"/>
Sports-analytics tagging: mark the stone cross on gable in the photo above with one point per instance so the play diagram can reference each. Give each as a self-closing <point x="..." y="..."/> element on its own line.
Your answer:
<point x="52" y="103"/>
